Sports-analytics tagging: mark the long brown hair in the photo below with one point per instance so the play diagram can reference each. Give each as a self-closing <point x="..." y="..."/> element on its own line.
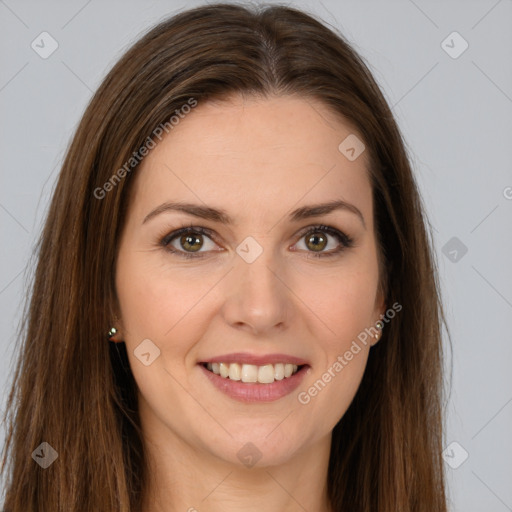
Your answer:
<point x="75" y="391"/>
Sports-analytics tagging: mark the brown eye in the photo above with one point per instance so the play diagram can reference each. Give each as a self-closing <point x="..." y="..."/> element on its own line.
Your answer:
<point x="191" y="242"/>
<point x="316" y="241"/>
<point x="320" y="241"/>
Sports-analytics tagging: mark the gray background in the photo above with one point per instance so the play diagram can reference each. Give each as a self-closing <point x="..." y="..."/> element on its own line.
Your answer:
<point x="456" y="116"/>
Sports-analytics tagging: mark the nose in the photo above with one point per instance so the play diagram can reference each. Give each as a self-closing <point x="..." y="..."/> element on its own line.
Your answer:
<point x="257" y="298"/>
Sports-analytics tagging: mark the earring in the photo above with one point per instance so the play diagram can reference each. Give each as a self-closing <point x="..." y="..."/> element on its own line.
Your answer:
<point x="111" y="333"/>
<point x="379" y="325"/>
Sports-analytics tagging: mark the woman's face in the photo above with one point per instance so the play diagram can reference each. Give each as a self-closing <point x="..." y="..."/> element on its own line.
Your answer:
<point x="266" y="288"/>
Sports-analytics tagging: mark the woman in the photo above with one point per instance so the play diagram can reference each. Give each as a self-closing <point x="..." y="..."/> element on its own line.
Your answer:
<point x="238" y="212"/>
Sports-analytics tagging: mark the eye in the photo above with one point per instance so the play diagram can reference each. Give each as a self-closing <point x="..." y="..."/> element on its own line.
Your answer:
<point x="316" y="239"/>
<point x="188" y="241"/>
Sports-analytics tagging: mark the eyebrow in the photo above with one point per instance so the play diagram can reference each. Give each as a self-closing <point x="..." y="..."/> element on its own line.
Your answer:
<point x="219" y="215"/>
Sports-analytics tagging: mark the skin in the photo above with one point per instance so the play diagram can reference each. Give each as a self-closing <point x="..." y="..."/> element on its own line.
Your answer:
<point x="258" y="159"/>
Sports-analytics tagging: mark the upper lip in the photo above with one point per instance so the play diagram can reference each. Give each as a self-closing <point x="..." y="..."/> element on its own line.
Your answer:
<point x="257" y="360"/>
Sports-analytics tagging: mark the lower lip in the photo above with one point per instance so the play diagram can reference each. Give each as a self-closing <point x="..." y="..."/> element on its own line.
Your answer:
<point x="256" y="392"/>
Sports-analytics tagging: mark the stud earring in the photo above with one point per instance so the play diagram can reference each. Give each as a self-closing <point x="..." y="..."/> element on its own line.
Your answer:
<point x="379" y="325"/>
<point x="111" y="333"/>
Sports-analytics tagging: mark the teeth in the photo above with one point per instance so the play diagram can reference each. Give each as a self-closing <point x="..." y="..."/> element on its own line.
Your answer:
<point x="235" y="371"/>
<point x="249" y="373"/>
<point x="279" y="371"/>
<point x="224" y="370"/>
<point x="265" y="374"/>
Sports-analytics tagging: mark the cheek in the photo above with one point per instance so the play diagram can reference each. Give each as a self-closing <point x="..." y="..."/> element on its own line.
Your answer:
<point x="155" y="300"/>
<point x="161" y="306"/>
<point x="167" y="307"/>
<point x="344" y="302"/>
<point x="330" y="388"/>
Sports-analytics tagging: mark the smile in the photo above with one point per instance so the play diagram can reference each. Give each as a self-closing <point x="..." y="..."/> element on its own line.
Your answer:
<point x="250" y="373"/>
<point x="241" y="382"/>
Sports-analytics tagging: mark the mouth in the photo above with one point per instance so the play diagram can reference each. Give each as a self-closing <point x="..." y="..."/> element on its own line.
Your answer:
<point x="251" y="373"/>
<point x="251" y="379"/>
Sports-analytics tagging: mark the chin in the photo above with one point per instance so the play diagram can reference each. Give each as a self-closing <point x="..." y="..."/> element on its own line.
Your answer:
<point x="258" y="447"/>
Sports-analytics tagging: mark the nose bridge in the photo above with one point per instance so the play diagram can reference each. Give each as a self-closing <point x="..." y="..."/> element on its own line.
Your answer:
<point x="256" y="296"/>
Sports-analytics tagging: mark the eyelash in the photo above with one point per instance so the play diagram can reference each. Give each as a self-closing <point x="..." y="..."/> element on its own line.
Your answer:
<point x="345" y="241"/>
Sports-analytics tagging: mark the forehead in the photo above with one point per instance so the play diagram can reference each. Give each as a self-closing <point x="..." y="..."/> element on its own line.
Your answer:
<point x="255" y="154"/>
